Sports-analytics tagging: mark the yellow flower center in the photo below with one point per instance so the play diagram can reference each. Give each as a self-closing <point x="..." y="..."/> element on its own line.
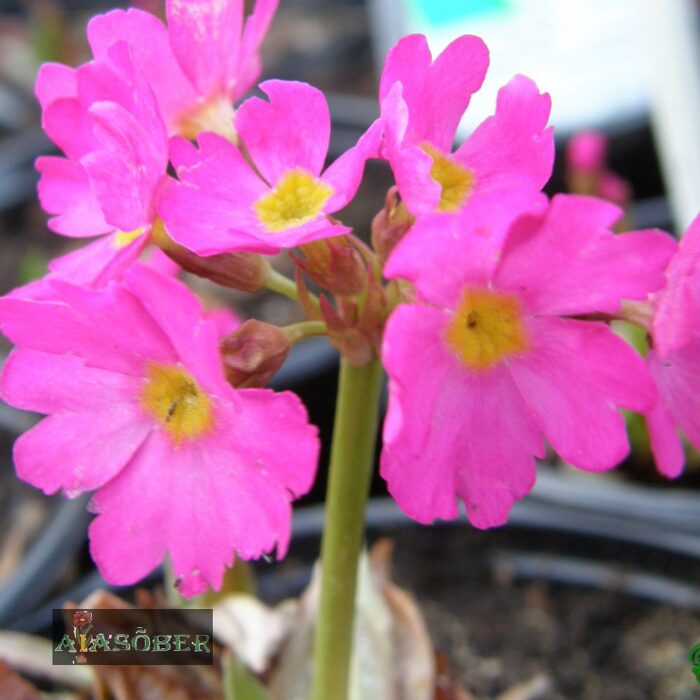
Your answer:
<point x="216" y="114"/>
<point x="456" y="181"/>
<point x="173" y="398"/>
<point x="297" y="198"/>
<point x="123" y="238"/>
<point x="486" y="327"/>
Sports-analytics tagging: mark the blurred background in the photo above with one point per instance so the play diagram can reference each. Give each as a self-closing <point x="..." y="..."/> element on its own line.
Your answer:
<point x="624" y="76"/>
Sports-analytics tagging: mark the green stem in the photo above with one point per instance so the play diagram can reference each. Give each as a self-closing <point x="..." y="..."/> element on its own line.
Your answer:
<point x="277" y="282"/>
<point x="304" y="329"/>
<point x="352" y="459"/>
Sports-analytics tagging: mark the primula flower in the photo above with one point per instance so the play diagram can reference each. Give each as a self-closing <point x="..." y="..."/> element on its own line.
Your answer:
<point x="205" y="59"/>
<point x="222" y="203"/>
<point x="674" y="358"/>
<point x="495" y="356"/>
<point x="107" y="123"/>
<point x="422" y="102"/>
<point x="139" y="410"/>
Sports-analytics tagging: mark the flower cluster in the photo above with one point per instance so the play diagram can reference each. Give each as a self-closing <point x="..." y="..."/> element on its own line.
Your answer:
<point x="489" y="304"/>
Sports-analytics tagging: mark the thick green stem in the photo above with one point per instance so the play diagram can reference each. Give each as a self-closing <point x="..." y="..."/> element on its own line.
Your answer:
<point x="352" y="459"/>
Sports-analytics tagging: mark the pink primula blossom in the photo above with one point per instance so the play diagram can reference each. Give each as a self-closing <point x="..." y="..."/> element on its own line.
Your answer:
<point x="497" y="355"/>
<point x="422" y="102"/>
<point x="674" y="358"/>
<point x="140" y="412"/>
<point x="222" y="203"/>
<point x="206" y="58"/>
<point x="107" y="123"/>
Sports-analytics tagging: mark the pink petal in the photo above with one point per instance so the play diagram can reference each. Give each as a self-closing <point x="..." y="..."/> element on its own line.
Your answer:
<point x="157" y="260"/>
<point x="410" y="164"/>
<point x="128" y="538"/>
<point x="292" y="130"/>
<point x="54" y="81"/>
<point x="194" y="340"/>
<point x="183" y="153"/>
<point x="109" y="329"/>
<point x="95" y="264"/>
<point x="205" y="37"/>
<point x="127" y="171"/>
<point x="470" y="242"/>
<point x="575" y="377"/>
<point x="68" y="124"/>
<point x="458" y="433"/>
<point x="202" y="209"/>
<point x="572" y="263"/>
<point x="277" y="418"/>
<point x="208" y="222"/>
<point x="677" y="378"/>
<point x="46" y="383"/>
<point x="513" y="148"/>
<point x="108" y="80"/>
<point x="345" y="174"/>
<point x="150" y="44"/>
<point x="678" y="305"/>
<point x="256" y="26"/>
<point x="437" y="95"/>
<point x="79" y="452"/>
<point x="664" y="439"/>
<point x="65" y="191"/>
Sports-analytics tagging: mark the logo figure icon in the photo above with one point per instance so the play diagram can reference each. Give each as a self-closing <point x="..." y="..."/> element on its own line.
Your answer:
<point x="82" y="626"/>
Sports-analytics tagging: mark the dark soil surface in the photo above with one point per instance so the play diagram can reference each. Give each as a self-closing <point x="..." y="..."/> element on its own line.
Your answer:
<point x="498" y="630"/>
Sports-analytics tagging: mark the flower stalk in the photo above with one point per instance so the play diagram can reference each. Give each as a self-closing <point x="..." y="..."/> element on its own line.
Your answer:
<point x="352" y="459"/>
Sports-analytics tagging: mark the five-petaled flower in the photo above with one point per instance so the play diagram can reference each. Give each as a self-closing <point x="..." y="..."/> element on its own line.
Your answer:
<point x="497" y="353"/>
<point x="141" y="413"/>
<point x="276" y="197"/>
<point x="422" y="102"/>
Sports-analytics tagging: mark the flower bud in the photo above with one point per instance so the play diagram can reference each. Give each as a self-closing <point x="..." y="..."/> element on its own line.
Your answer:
<point x="253" y="353"/>
<point x="390" y="225"/>
<point x="247" y="272"/>
<point x="334" y="264"/>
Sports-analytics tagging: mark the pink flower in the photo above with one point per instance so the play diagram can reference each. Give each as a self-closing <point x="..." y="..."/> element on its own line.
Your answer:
<point x="422" y="103"/>
<point x="497" y="355"/>
<point x="587" y="151"/>
<point x="107" y="123"/>
<point x="206" y="58"/>
<point x="222" y="204"/>
<point x="674" y="358"/>
<point x="139" y="410"/>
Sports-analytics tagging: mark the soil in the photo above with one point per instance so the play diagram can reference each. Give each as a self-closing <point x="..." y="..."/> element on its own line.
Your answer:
<point x="498" y="631"/>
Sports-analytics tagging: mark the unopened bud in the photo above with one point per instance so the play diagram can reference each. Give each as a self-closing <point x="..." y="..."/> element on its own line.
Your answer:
<point x="247" y="272"/>
<point x="334" y="264"/>
<point x="253" y="353"/>
<point x="390" y="225"/>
